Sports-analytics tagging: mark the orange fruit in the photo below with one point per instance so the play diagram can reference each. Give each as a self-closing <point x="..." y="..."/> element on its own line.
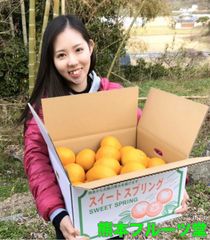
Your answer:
<point x="75" y="172"/>
<point x="154" y="209"/>
<point x="66" y="155"/>
<point x="86" y="158"/>
<point x="77" y="183"/>
<point x="111" y="141"/>
<point x="139" y="209"/>
<point x="134" y="155"/>
<point x="108" y="151"/>
<point x="125" y="149"/>
<point x="153" y="162"/>
<point x="145" y="161"/>
<point x="165" y="195"/>
<point x="141" y="152"/>
<point x="99" y="172"/>
<point x="109" y="162"/>
<point x="131" y="166"/>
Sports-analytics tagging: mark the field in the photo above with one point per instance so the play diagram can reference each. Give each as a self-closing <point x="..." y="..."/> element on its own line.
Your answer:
<point x="157" y="38"/>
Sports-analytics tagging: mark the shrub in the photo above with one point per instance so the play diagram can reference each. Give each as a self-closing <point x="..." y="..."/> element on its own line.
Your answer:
<point x="202" y="19"/>
<point x="144" y="71"/>
<point x="13" y="68"/>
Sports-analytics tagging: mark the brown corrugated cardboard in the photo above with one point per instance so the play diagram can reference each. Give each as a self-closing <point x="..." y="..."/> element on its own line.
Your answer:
<point x="91" y="116"/>
<point x="169" y="124"/>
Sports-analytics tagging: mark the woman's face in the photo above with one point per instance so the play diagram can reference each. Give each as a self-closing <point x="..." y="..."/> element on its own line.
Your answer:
<point x="72" y="56"/>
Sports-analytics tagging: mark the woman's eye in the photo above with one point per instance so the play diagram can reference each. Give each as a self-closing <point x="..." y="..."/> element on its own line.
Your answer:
<point x="61" y="55"/>
<point x="79" y="49"/>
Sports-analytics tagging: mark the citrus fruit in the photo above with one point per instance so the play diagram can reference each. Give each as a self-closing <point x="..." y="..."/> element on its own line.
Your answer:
<point x="165" y="195"/>
<point x="75" y="172"/>
<point x="141" y="152"/>
<point x="125" y="149"/>
<point x="99" y="172"/>
<point x="153" y="162"/>
<point x="134" y="155"/>
<point x="66" y="155"/>
<point x="109" y="162"/>
<point x="108" y="151"/>
<point x="77" y="183"/>
<point x="86" y="158"/>
<point x="139" y="209"/>
<point x="154" y="209"/>
<point x="111" y="141"/>
<point x="131" y="166"/>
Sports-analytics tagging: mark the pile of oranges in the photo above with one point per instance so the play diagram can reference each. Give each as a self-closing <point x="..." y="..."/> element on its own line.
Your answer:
<point x="109" y="160"/>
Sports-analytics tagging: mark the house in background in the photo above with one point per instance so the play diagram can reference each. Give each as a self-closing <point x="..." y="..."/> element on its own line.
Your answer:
<point x="185" y="20"/>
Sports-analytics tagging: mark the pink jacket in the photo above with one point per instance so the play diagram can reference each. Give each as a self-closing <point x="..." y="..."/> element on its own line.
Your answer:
<point x="41" y="177"/>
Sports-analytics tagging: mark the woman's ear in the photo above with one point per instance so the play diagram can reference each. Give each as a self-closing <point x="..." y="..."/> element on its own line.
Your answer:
<point x="91" y="45"/>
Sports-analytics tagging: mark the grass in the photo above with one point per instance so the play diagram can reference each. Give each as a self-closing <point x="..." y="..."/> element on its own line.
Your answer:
<point x="29" y="228"/>
<point x="12" y="177"/>
<point x="199" y="194"/>
<point x="14" y="181"/>
<point x="182" y="87"/>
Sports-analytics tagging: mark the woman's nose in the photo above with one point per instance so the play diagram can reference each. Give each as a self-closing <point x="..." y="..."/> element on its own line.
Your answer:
<point x="72" y="60"/>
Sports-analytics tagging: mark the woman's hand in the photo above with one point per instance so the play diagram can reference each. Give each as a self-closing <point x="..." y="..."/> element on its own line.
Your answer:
<point x="184" y="206"/>
<point x="68" y="231"/>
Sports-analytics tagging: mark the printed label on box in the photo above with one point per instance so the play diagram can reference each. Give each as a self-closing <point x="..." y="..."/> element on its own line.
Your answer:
<point x="152" y="198"/>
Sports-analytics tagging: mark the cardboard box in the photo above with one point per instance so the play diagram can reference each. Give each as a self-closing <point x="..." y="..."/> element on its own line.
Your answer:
<point x="168" y="128"/>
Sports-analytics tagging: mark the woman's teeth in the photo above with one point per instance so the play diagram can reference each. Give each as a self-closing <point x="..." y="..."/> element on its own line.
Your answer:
<point x="74" y="72"/>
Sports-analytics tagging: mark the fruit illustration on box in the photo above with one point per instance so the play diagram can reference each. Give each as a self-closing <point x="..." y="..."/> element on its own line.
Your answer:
<point x="142" y="210"/>
<point x="154" y="209"/>
<point x="139" y="210"/>
<point x="110" y="159"/>
<point x="165" y="196"/>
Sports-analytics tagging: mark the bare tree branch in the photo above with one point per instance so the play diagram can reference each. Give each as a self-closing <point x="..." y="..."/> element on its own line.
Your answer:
<point x="124" y="38"/>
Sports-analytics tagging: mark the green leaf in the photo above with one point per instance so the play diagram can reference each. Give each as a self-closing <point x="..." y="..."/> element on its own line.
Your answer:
<point x="125" y="213"/>
<point x="125" y="219"/>
<point x="169" y="208"/>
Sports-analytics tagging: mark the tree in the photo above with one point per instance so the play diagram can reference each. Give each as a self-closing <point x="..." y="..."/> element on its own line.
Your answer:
<point x="45" y="21"/>
<point x="32" y="45"/>
<point x="23" y="18"/>
<point x="56" y="6"/>
<point x="150" y="9"/>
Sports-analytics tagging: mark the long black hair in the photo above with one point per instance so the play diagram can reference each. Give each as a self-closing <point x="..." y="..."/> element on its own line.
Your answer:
<point x="48" y="81"/>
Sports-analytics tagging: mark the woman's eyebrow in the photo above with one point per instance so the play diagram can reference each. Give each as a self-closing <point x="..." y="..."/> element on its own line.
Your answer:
<point x="77" y="45"/>
<point x="60" y="50"/>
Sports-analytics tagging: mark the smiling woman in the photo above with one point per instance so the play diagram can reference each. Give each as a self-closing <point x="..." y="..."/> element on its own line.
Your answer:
<point x="66" y="68"/>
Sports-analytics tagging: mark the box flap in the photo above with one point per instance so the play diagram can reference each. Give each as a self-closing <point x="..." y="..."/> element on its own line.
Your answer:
<point x="45" y="135"/>
<point x="86" y="114"/>
<point x="57" y="166"/>
<point x="145" y="172"/>
<point x="169" y="125"/>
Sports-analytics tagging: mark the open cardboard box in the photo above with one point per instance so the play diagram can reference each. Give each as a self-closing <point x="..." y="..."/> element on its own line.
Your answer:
<point x="168" y="128"/>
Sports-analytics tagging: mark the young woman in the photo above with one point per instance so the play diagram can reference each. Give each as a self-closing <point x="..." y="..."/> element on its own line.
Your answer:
<point x="66" y="68"/>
